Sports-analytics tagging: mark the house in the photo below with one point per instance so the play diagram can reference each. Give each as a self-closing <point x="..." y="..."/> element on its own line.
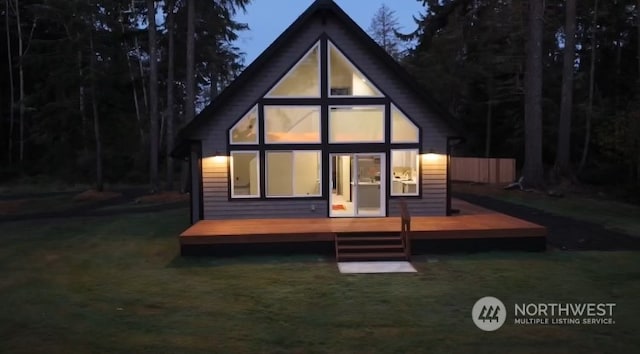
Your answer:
<point x="323" y="124"/>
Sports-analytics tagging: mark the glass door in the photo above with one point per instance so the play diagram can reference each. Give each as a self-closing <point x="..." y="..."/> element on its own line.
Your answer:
<point x="357" y="185"/>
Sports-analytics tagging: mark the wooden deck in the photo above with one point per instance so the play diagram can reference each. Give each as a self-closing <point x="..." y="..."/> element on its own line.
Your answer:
<point x="473" y="222"/>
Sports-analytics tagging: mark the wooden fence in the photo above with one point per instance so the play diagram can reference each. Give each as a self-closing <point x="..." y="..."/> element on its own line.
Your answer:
<point x="483" y="170"/>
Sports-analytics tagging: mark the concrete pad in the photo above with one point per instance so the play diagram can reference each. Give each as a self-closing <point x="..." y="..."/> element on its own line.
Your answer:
<point x="375" y="267"/>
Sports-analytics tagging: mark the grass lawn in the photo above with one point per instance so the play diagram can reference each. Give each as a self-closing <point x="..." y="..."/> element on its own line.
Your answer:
<point x="611" y="214"/>
<point x="116" y="284"/>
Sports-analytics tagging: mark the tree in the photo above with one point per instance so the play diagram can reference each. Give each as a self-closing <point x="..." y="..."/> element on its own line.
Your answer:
<point x="592" y="68"/>
<point x="190" y="98"/>
<point x="96" y="118"/>
<point x="170" y="85"/>
<point x="384" y="28"/>
<point x="533" y="167"/>
<point x="12" y="98"/>
<point x="20" y="80"/>
<point x="153" y="98"/>
<point x="563" y="151"/>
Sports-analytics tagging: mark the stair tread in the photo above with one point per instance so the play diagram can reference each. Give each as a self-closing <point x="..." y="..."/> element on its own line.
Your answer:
<point x="376" y="255"/>
<point x="368" y="247"/>
<point x="363" y="238"/>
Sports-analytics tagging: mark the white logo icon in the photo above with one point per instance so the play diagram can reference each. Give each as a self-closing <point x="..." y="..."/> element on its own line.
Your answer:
<point x="489" y="313"/>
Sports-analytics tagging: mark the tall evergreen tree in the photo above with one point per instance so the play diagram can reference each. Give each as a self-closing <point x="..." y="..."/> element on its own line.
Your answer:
<point x="384" y="28"/>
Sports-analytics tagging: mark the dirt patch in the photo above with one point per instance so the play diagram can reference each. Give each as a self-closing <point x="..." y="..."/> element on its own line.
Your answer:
<point x="10" y="207"/>
<point x="93" y="195"/>
<point x="163" y="197"/>
<point x="564" y="233"/>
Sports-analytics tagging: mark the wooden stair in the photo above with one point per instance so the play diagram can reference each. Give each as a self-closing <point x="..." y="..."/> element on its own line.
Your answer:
<point x="370" y="247"/>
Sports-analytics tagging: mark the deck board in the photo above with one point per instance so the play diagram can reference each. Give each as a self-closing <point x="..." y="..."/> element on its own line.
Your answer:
<point x="472" y="222"/>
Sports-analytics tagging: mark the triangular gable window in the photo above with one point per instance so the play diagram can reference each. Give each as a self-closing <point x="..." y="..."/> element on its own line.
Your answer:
<point x="345" y="79"/>
<point x="246" y="130"/>
<point x="402" y="128"/>
<point x="303" y="80"/>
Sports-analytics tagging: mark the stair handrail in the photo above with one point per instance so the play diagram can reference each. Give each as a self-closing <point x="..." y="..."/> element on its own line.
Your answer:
<point x="405" y="227"/>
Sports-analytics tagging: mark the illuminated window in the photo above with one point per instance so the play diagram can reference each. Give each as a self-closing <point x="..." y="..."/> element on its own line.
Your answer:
<point x="303" y="80"/>
<point x="292" y="124"/>
<point x="359" y="124"/>
<point x="404" y="172"/>
<point x="402" y="128"/>
<point x="293" y="173"/>
<point x="345" y="79"/>
<point x="246" y="130"/>
<point x="245" y="174"/>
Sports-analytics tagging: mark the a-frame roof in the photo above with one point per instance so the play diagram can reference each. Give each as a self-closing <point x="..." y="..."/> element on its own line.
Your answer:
<point x="323" y="8"/>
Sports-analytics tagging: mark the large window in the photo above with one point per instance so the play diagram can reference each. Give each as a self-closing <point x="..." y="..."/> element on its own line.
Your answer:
<point x="404" y="172"/>
<point x="292" y="124"/>
<point x="345" y="79"/>
<point x="246" y="130"/>
<point x="357" y="124"/>
<point x="245" y="174"/>
<point x="303" y="80"/>
<point x="293" y="173"/>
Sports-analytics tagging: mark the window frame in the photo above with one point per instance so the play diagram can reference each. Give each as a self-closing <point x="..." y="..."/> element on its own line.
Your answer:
<point x="269" y="94"/>
<point x="232" y="194"/>
<point x="331" y="141"/>
<point x="293" y="177"/>
<point x="418" y="173"/>
<point x="265" y="107"/>
<point x="255" y="109"/>
<point x="356" y="70"/>
<point x="393" y="107"/>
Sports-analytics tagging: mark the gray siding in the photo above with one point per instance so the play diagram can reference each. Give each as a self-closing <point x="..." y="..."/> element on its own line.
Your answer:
<point x="214" y="134"/>
<point x="218" y="206"/>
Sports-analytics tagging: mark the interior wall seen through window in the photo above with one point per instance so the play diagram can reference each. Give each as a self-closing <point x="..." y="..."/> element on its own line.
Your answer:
<point x="293" y="173"/>
<point x="404" y="172"/>
<point x="287" y="124"/>
<point x="245" y="175"/>
<point x="356" y="124"/>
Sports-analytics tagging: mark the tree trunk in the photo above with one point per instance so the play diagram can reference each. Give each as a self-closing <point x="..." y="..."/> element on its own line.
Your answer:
<point x="563" y="153"/>
<point x="139" y="55"/>
<point x="96" y="118"/>
<point x="153" y="98"/>
<point x="533" y="168"/>
<point x="21" y="82"/>
<point x="136" y="104"/>
<point x="11" y="86"/>
<point x="487" y="146"/>
<point x="170" y="80"/>
<point x="638" y="90"/>
<point x="213" y="91"/>
<point x="592" y="70"/>
<point x="81" y="94"/>
<point x="190" y="81"/>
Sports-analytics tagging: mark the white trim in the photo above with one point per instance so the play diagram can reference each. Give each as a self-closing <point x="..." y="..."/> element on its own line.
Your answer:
<point x="316" y="108"/>
<point x="418" y="168"/>
<point x="257" y="127"/>
<point x="384" y="126"/>
<point x="293" y="174"/>
<point x="232" y="179"/>
<point x="297" y="64"/>
<point x="391" y="127"/>
<point x="355" y="69"/>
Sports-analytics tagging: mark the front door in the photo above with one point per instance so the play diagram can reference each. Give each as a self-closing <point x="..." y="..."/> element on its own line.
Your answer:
<point x="357" y="185"/>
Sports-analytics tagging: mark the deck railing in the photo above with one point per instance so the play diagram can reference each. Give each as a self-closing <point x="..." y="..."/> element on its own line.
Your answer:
<point x="405" y="227"/>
